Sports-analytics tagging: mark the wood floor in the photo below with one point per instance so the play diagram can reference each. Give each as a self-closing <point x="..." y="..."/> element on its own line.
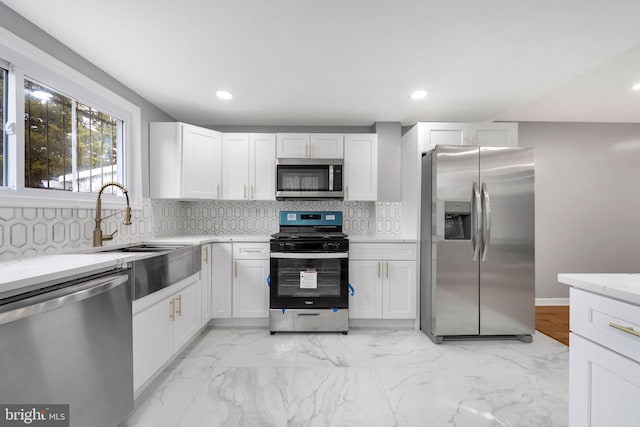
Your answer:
<point x="553" y="320"/>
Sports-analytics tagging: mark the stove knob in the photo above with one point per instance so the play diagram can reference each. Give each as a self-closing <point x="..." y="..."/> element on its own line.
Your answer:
<point x="281" y="244"/>
<point x="325" y="246"/>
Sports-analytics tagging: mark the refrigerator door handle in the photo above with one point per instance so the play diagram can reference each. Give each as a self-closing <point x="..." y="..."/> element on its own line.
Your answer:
<point x="476" y="214"/>
<point x="486" y="223"/>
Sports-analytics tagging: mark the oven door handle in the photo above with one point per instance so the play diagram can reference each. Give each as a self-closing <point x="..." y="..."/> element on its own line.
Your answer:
<point x="310" y="255"/>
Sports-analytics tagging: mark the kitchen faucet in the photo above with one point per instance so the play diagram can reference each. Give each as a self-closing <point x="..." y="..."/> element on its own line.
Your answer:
<point x="98" y="237"/>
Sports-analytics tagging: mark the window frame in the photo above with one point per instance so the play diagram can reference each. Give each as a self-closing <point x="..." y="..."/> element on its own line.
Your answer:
<point x="28" y="61"/>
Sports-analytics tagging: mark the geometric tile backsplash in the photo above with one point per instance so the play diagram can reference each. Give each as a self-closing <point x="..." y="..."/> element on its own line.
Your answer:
<point x="37" y="231"/>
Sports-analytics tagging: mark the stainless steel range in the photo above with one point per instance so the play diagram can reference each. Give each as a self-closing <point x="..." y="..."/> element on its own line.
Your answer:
<point x="309" y="276"/>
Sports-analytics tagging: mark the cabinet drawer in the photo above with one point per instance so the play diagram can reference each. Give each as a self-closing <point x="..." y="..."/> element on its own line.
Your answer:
<point x="251" y="251"/>
<point x="595" y="317"/>
<point x="386" y="251"/>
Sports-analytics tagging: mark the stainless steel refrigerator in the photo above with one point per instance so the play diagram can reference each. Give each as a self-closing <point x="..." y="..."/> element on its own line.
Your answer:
<point x="477" y="243"/>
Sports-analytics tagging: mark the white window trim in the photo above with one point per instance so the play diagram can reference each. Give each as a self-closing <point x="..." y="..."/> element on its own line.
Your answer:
<point x="26" y="59"/>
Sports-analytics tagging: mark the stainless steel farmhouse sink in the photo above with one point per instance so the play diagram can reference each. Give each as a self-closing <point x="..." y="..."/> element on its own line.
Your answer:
<point x="166" y="265"/>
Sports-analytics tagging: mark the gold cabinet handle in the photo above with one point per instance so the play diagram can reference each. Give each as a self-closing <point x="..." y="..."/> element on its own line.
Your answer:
<point x="179" y="310"/>
<point x="306" y="149"/>
<point x="346" y="196"/>
<point x="379" y="263"/>
<point x="172" y="305"/>
<point x="627" y="329"/>
<point x="235" y="269"/>
<point x="218" y="191"/>
<point x="253" y="192"/>
<point x="244" y="191"/>
<point x="206" y="254"/>
<point x="387" y="269"/>
<point x="251" y="251"/>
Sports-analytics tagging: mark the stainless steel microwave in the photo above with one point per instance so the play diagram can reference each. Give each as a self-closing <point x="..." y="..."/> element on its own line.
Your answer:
<point x="309" y="179"/>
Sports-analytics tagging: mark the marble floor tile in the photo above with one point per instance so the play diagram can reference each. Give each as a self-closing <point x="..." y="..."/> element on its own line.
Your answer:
<point x="247" y="377"/>
<point x="242" y="396"/>
<point x="335" y="350"/>
<point x="338" y="396"/>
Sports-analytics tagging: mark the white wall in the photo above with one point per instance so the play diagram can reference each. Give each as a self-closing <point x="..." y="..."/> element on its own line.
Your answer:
<point x="587" y="200"/>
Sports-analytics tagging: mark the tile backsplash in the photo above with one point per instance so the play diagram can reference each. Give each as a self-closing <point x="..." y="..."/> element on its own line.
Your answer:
<point x="38" y="231"/>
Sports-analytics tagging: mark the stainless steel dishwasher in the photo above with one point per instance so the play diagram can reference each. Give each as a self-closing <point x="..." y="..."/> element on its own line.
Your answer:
<point x="70" y="343"/>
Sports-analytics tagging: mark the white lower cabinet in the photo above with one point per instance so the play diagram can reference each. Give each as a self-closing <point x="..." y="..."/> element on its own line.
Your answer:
<point x="221" y="264"/>
<point x="604" y="386"/>
<point x="384" y="287"/>
<point x="604" y="361"/>
<point x="250" y="291"/>
<point x="162" y="323"/>
<point x="205" y="279"/>
<point x="249" y="283"/>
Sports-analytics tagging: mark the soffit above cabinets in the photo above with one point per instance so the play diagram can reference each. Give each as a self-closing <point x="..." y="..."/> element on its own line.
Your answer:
<point x="354" y="63"/>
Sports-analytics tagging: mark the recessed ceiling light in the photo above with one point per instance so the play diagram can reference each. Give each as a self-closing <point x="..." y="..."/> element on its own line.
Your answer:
<point x="636" y="86"/>
<point x="223" y="94"/>
<point x="419" y="94"/>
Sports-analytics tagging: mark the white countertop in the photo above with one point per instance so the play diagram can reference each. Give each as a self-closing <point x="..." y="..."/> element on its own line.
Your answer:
<point x="204" y="239"/>
<point x="624" y="287"/>
<point x="25" y="272"/>
<point x="364" y="238"/>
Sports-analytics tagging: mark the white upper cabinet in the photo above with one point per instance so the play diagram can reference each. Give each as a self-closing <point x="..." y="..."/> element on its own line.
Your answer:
<point x="292" y="145"/>
<point x="326" y="145"/>
<point x="262" y="166"/>
<point x="184" y="161"/>
<point x="310" y="146"/>
<point x="483" y="134"/>
<point x="494" y="134"/>
<point x="235" y="166"/>
<point x="436" y="133"/>
<point x="248" y="167"/>
<point x="361" y="167"/>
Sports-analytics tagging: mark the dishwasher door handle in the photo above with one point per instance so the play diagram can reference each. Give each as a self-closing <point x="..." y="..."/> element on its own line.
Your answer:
<point x="59" y="298"/>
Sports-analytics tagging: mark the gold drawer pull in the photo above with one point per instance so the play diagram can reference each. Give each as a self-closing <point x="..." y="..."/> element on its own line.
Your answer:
<point x="627" y="329"/>
<point x="172" y="305"/>
<point x="179" y="309"/>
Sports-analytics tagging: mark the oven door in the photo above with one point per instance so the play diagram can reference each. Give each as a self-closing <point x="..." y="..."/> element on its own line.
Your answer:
<point x="309" y="280"/>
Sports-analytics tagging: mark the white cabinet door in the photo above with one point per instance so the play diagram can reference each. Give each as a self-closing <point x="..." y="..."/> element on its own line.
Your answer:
<point x="235" y="166"/>
<point x="361" y="166"/>
<point x="188" y="311"/>
<point x="250" y="291"/>
<point x="201" y="155"/>
<point x="292" y="145"/>
<point x="399" y="290"/>
<point x="366" y="279"/>
<point x="205" y="280"/>
<point x="262" y="166"/>
<point x="184" y="161"/>
<point x="604" y="386"/>
<point x="439" y="133"/>
<point x="152" y="345"/>
<point x="326" y="145"/>
<point x="221" y="264"/>
<point x="493" y="134"/>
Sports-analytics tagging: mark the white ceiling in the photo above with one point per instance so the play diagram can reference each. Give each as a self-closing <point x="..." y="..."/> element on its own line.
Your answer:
<point x="354" y="62"/>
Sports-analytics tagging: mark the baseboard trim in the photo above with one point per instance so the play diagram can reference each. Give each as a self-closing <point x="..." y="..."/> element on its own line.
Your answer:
<point x="552" y="301"/>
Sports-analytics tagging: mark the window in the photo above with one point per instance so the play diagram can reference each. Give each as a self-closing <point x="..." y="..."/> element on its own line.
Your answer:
<point x="64" y="135"/>
<point x="69" y="145"/>
<point x="3" y="115"/>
